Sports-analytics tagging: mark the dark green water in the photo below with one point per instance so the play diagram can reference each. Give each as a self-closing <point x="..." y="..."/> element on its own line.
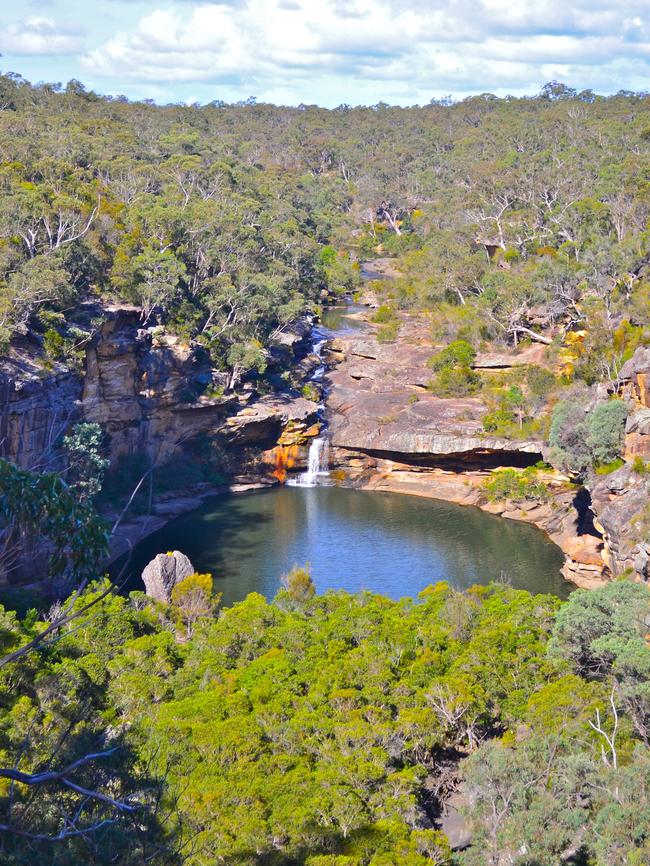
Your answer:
<point x="338" y="320"/>
<point x="383" y="542"/>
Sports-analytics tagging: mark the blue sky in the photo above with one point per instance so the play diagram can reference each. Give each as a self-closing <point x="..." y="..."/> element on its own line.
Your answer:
<point x="327" y="51"/>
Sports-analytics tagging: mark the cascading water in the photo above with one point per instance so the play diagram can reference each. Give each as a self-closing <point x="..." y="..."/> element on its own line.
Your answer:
<point x="318" y="462"/>
<point x="319" y="450"/>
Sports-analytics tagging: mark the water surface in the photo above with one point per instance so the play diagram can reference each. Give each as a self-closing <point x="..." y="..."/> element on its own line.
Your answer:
<point x="354" y="540"/>
<point x="339" y="319"/>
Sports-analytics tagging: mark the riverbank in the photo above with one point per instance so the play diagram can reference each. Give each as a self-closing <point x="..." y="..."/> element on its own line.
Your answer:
<point x="388" y="433"/>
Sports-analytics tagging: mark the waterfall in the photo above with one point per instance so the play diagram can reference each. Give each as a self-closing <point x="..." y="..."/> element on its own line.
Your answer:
<point x="318" y="462"/>
<point x="318" y="458"/>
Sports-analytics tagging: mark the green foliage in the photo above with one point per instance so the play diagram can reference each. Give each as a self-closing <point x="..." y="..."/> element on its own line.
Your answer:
<point x="587" y="730"/>
<point x="583" y="437"/>
<point x="310" y="392"/>
<point x="568" y="436"/>
<point x="384" y="315"/>
<point x="194" y="598"/>
<point x="516" y="485"/>
<point x="317" y="730"/>
<point x="540" y="382"/>
<point x="310" y="730"/>
<point x="452" y="366"/>
<point x="640" y="466"/>
<point x="388" y="333"/>
<point x="237" y="218"/>
<point x="39" y="510"/>
<point x="87" y="465"/>
<point x="605" y="431"/>
<point x="459" y="354"/>
<point x="55" y="710"/>
<point x="510" y="412"/>
<point x="335" y="713"/>
<point x="607" y="468"/>
<point x="299" y="585"/>
<point x="53" y="345"/>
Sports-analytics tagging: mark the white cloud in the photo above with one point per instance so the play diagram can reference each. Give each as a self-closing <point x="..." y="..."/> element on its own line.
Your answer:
<point x="37" y="34"/>
<point x="331" y="50"/>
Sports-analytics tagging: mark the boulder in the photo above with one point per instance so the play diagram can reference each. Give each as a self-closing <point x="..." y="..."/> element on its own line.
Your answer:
<point x="618" y="502"/>
<point x="164" y="572"/>
<point x="637" y="434"/>
<point x="642" y="561"/>
<point x="635" y="376"/>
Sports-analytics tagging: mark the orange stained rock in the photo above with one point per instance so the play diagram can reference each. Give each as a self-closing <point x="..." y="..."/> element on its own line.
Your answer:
<point x="284" y="458"/>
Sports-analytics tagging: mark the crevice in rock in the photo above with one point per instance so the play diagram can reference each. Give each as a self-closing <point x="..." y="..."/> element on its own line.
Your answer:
<point x="460" y="462"/>
<point x="582" y="505"/>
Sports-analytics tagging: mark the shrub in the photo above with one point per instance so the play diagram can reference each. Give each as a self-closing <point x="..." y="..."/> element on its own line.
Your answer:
<point x="383" y="315"/>
<point x="388" y="332"/>
<point x="460" y="353"/>
<point x="451" y="382"/>
<point x="53" y="344"/>
<point x="581" y="439"/>
<point x="606" y="426"/>
<point x="298" y="584"/>
<point x="640" y="466"/>
<point x="606" y="468"/>
<point x="509" y="413"/>
<point x="450" y="322"/>
<point x="193" y="598"/>
<point x="568" y="436"/>
<point x="516" y="485"/>
<point x="453" y="367"/>
<point x="540" y="382"/>
<point x="310" y="392"/>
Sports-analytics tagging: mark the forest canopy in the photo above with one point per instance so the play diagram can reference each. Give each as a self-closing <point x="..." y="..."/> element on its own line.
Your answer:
<point x="224" y="221"/>
<point x="326" y="730"/>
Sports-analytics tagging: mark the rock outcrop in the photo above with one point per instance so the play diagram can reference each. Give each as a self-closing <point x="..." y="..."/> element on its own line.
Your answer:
<point x="156" y="397"/>
<point x="389" y="433"/>
<point x="635" y="377"/>
<point x="164" y="572"/>
<point x="621" y="502"/>
<point x="148" y="390"/>
<point x="378" y="403"/>
<point x="35" y="409"/>
<point x="267" y="418"/>
<point x="637" y="434"/>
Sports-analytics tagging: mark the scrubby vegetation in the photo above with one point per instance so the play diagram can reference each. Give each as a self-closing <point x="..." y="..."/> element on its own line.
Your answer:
<point x="328" y="730"/>
<point x="584" y="435"/>
<point x="517" y="485"/>
<point x="509" y="217"/>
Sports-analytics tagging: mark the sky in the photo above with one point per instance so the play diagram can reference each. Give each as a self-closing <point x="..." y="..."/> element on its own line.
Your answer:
<point x="327" y="52"/>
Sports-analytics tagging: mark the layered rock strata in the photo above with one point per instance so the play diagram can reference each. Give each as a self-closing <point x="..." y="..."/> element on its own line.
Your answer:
<point x="389" y="433"/>
<point x="153" y="396"/>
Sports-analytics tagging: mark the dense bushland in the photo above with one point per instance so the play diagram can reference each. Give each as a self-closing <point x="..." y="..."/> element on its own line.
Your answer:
<point x="509" y="216"/>
<point x="329" y="729"/>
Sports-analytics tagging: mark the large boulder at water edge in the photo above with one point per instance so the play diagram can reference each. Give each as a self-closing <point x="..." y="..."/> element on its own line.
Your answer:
<point x="164" y="572"/>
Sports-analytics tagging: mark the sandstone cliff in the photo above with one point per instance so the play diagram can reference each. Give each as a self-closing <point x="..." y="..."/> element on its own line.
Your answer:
<point x="389" y="433"/>
<point x="154" y="396"/>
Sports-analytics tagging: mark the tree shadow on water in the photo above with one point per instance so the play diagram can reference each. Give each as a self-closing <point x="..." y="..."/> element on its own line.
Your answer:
<point x="223" y="538"/>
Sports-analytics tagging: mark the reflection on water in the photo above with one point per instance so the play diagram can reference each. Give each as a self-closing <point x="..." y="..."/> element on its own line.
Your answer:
<point x="338" y="319"/>
<point x="353" y="540"/>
